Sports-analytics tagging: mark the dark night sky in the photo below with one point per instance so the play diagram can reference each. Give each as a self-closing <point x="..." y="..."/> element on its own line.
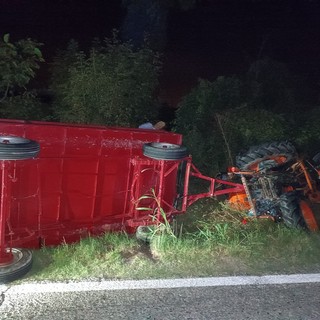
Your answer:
<point x="218" y="37"/>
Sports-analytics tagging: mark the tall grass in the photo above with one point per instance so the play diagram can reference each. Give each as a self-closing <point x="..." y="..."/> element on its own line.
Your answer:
<point x="212" y="240"/>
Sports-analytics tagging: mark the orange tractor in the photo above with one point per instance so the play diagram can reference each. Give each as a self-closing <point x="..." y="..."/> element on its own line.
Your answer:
<point x="278" y="185"/>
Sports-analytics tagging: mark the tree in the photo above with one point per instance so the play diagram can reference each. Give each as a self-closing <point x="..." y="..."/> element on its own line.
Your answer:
<point x="148" y="19"/>
<point x="307" y="134"/>
<point x="113" y="84"/>
<point x="18" y="64"/>
<point x="197" y="118"/>
<point x="273" y="87"/>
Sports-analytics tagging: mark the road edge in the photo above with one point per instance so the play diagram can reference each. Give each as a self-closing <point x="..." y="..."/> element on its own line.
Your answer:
<point x="95" y="285"/>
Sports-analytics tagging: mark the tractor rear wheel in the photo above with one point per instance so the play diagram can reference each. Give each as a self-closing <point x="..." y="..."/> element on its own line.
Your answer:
<point x="266" y="156"/>
<point x="290" y="210"/>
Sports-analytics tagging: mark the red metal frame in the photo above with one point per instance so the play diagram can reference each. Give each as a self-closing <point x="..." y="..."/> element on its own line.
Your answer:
<point x="5" y="255"/>
<point x="193" y="171"/>
<point x="164" y="171"/>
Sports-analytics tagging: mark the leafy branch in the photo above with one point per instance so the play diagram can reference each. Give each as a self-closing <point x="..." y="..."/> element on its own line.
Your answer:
<point x="18" y="63"/>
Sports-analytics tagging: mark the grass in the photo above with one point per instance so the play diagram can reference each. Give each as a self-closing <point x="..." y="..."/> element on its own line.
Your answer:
<point x="212" y="240"/>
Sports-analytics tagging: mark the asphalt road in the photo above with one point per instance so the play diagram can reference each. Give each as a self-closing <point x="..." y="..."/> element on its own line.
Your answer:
<point x="199" y="299"/>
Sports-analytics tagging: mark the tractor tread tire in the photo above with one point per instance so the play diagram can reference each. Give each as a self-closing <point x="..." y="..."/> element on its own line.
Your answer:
<point x="290" y="211"/>
<point x="264" y="152"/>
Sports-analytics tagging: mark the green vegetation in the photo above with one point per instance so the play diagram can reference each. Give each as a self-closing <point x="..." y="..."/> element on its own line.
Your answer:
<point x="113" y="84"/>
<point x="217" y="123"/>
<point x="211" y="241"/>
<point x="19" y="62"/>
<point x="220" y="118"/>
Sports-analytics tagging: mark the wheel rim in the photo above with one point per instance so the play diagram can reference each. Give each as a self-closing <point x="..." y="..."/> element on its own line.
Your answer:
<point x="13" y="140"/>
<point x="166" y="146"/>
<point x="16" y="257"/>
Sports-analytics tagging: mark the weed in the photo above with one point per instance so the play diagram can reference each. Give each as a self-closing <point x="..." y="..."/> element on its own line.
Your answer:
<point x="161" y="225"/>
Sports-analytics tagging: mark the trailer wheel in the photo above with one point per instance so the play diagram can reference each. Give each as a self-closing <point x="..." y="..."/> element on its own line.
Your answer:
<point x="290" y="211"/>
<point x="164" y="151"/>
<point x="21" y="264"/>
<point x="17" y="148"/>
<point x="266" y="156"/>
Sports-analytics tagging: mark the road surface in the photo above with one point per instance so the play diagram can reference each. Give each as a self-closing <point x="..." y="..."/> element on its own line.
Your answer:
<point x="269" y="297"/>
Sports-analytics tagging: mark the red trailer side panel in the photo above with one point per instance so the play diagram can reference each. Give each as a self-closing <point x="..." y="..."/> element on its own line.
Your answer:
<point x="80" y="182"/>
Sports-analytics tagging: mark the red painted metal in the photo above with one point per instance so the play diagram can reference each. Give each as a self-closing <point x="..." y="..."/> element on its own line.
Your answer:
<point x="80" y="184"/>
<point x="166" y="172"/>
<point x="5" y="255"/>
<point x="227" y="187"/>
<point x="88" y="180"/>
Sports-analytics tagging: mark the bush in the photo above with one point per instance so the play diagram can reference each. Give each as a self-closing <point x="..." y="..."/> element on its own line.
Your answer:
<point x="196" y="120"/>
<point x="216" y="123"/>
<point x="271" y="86"/>
<point x="18" y="64"/>
<point x="25" y="106"/>
<point x="307" y="137"/>
<point x="113" y="84"/>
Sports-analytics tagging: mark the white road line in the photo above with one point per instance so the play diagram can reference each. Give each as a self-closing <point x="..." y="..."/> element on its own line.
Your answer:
<point x="160" y="283"/>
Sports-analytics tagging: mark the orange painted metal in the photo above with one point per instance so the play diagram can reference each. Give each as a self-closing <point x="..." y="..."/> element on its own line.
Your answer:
<point x="239" y="201"/>
<point x="277" y="159"/>
<point x="308" y="216"/>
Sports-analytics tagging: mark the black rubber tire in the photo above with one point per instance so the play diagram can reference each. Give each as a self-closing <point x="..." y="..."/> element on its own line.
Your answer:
<point x="17" y="148"/>
<point x="164" y="151"/>
<point x="265" y="152"/>
<point x="21" y="264"/>
<point x="290" y="211"/>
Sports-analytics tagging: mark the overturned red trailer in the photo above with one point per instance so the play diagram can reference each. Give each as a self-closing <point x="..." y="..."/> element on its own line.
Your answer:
<point x="62" y="182"/>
